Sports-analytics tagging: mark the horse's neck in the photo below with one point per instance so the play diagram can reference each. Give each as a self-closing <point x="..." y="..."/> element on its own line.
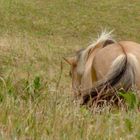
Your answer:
<point x="89" y="75"/>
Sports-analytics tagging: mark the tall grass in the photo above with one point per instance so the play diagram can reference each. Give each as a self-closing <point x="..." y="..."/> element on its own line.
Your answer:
<point x="34" y="35"/>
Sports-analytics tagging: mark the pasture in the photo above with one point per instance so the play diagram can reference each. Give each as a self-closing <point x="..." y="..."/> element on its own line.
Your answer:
<point x="34" y="36"/>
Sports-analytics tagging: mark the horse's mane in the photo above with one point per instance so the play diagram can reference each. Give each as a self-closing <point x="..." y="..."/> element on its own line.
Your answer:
<point x="104" y="38"/>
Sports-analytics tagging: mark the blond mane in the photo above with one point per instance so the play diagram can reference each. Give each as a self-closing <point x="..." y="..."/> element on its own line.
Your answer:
<point x="103" y="37"/>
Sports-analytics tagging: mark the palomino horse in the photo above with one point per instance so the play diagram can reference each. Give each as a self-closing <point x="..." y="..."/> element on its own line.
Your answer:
<point x="104" y="65"/>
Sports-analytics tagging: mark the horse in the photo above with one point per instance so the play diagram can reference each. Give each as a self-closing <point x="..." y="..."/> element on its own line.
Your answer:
<point x="104" y="65"/>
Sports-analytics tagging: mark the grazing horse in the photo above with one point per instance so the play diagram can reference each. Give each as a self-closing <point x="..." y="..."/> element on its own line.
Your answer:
<point x="104" y="65"/>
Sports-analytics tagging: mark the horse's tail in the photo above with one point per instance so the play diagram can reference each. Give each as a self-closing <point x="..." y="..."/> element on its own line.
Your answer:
<point x="121" y="74"/>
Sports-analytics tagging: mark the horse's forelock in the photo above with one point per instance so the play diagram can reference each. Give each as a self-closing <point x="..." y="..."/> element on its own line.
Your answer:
<point x="79" y="53"/>
<point x="80" y="61"/>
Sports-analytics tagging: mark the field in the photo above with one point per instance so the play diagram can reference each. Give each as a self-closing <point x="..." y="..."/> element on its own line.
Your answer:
<point x="34" y="36"/>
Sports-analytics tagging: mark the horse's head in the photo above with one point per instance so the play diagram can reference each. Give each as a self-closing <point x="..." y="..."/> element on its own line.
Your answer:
<point x="76" y="70"/>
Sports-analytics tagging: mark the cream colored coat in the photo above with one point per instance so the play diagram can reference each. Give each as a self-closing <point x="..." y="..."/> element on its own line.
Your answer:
<point x="106" y="62"/>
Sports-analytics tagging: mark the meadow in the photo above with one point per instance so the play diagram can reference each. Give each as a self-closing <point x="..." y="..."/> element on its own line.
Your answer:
<point x="36" y="100"/>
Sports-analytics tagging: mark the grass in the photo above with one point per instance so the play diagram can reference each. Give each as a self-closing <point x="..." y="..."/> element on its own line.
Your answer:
<point x="34" y="36"/>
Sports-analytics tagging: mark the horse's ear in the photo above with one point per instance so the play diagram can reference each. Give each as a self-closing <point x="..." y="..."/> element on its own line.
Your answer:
<point x="70" y="60"/>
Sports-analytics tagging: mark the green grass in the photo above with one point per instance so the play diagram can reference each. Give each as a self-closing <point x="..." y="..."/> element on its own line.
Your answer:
<point x="34" y="36"/>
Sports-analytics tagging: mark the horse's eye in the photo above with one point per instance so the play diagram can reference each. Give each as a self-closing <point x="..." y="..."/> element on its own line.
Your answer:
<point x="70" y="74"/>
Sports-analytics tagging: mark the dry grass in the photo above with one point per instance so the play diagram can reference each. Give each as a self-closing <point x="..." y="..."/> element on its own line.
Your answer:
<point x="34" y="36"/>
